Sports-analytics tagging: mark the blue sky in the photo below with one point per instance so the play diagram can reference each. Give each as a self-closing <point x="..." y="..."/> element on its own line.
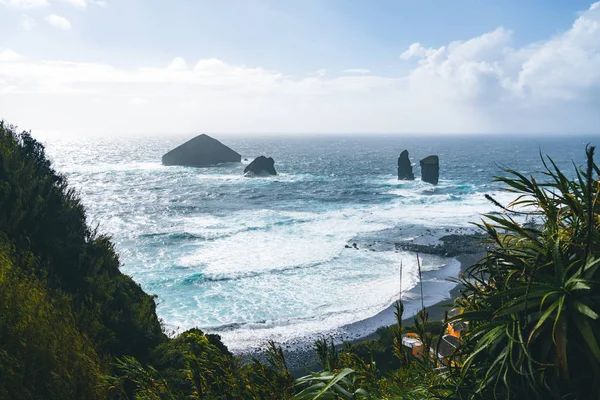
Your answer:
<point x="97" y="66"/>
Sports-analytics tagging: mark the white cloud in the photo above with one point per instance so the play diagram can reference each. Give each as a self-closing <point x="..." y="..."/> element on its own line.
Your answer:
<point x="58" y="22"/>
<point x="463" y="70"/>
<point x="77" y="3"/>
<point x="551" y="85"/>
<point x="415" y="50"/>
<point x="566" y="66"/>
<point x="25" y="4"/>
<point x="486" y="70"/>
<point x="178" y="64"/>
<point x="484" y="84"/>
<point x="8" y="55"/>
<point x="84" y="3"/>
<point x="357" y="71"/>
<point x="137" y="101"/>
<point x="27" y="22"/>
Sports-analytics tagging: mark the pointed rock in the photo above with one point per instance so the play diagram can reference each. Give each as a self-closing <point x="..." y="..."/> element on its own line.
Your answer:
<point x="201" y="151"/>
<point x="261" y="166"/>
<point x="430" y="169"/>
<point x="405" y="171"/>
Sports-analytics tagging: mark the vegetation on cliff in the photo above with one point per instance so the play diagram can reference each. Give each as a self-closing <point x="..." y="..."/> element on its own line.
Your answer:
<point x="73" y="326"/>
<point x="72" y="309"/>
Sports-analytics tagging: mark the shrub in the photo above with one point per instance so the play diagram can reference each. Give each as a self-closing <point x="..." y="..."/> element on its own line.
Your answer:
<point x="532" y="303"/>
<point x="41" y="216"/>
<point x="42" y="352"/>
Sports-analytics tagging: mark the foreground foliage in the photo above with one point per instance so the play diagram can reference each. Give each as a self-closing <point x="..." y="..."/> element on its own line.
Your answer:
<point x="73" y="326"/>
<point x="43" y="218"/>
<point x="533" y="302"/>
<point x="42" y="353"/>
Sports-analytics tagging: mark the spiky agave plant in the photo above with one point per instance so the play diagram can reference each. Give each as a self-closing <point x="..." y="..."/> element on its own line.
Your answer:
<point x="533" y="303"/>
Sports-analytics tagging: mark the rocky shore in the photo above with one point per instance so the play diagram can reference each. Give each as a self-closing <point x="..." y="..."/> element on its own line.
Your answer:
<point x="451" y="245"/>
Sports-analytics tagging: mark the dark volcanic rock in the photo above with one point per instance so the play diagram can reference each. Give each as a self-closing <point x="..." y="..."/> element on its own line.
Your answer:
<point x="261" y="166"/>
<point x="430" y="169"/>
<point x="451" y="245"/>
<point x="405" y="171"/>
<point x="199" y="152"/>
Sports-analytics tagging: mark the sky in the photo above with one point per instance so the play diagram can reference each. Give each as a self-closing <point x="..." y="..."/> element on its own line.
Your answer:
<point x="117" y="67"/>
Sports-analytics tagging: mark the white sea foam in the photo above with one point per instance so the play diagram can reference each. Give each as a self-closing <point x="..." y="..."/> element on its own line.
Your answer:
<point x="270" y="274"/>
<point x="311" y="238"/>
<point x="269" y="280"/>
<point x="301" y="302"/>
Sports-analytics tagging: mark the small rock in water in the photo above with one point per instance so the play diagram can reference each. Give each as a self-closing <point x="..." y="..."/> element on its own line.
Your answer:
<point x="261" y="166"/>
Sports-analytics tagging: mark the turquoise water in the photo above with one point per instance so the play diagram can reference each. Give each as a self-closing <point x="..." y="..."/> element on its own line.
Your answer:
<point x="265" y="258"/>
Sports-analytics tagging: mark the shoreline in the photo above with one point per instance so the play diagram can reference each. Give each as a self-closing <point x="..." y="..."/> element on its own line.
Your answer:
<point x="461" y="247"/>
<point x="437" y="310"/>
<point x="302" y="360"/>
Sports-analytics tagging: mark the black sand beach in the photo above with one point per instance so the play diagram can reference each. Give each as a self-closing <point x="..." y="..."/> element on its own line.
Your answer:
<point x="463" y="247"/>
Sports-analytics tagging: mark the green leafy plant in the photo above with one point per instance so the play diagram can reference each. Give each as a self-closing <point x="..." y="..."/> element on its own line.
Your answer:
<point x="327" y="353"/>
<point x="330" y="385"/>
<point x="43" y="354"/>
<point x="532" y="303"/>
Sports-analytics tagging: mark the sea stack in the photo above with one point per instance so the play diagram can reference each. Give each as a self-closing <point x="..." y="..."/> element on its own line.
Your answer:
<point x="201" y="151"/>
<point x="405" y="171"/>
<point x="261" y="166"/>
<point x="430" y="169"/>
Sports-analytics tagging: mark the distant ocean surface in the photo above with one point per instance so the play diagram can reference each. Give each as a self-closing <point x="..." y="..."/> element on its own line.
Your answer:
<point x="265" y="258"/>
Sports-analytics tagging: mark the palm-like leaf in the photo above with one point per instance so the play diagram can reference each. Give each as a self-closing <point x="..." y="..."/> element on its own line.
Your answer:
<point x="533" y="303"/>
<point x="329" y="385"/>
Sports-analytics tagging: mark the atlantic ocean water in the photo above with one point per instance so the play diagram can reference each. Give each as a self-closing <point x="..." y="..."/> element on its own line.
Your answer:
<point x="266" y="258"/>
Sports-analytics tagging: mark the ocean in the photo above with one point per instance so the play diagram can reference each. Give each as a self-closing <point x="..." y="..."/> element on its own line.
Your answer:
<point x="254" y="259"/>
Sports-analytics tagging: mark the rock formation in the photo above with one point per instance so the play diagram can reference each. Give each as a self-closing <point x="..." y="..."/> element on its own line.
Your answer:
<point x="261" y="166"/>
<point x="199" y="152"/>
<point x="405" y="171"/>
<point x="430" y="169"/>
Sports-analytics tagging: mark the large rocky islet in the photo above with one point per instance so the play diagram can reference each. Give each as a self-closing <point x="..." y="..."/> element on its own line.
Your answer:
<point x="201" y="151"/>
